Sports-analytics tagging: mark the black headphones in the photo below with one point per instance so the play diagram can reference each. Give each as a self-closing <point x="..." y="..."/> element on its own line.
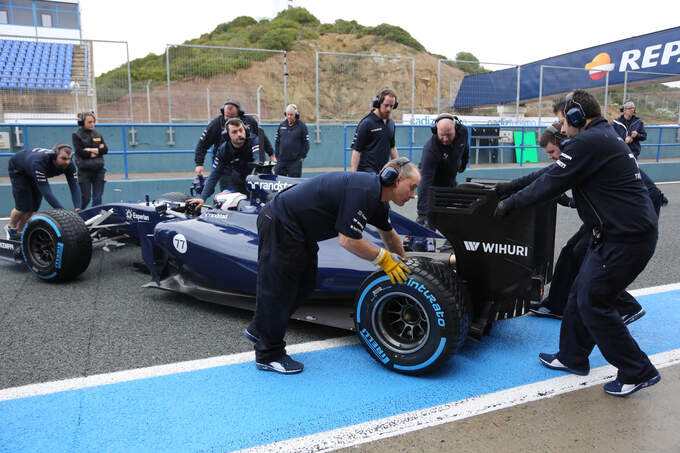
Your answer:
<point x="441" y="117"/>
<point x="297" y="114"/>
<point x="380" y="96"/>
<point x="59" y="146"/>
<point x="81" y="117"/>
<point x="241" y="112"/>
<point x="573" y="112"/>
<point x="389" y="175"/>
<point x="552" y="130"/>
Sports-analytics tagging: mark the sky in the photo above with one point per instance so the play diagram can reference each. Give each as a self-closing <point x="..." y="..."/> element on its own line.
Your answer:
<point x="494" y="31"/>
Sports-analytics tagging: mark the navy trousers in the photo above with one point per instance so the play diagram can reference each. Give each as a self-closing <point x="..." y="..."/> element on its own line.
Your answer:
<point x="592" y="315"/>
<point x="286" y="276"/>
<point x="567" y="268"/>
<point x="292" y="168"/>
<point x="91" y="186"/>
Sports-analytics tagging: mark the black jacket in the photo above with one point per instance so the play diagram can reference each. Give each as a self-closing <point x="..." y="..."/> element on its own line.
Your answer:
<point x="439" y="164"/>
<point x="212" y="136"/>
<point x="606" y="183"/>
<point x="625" y="128"/>
<point x="84" y="138"/>
<point x="292" y="142"/>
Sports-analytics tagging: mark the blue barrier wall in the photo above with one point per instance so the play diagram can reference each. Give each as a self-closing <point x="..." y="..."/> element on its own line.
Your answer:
<point x="142" y="156"/>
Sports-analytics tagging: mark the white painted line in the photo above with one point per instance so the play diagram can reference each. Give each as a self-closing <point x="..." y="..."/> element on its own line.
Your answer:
<point x="667" y="182"/>
<point x="193" y="365"/>
<point x="160" y="370"/>
<point x="446" y="413"/>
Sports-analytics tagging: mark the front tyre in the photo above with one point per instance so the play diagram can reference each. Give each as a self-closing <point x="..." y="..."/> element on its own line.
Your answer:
<point x="56" y="245"/>
<point x="414" y="327"/>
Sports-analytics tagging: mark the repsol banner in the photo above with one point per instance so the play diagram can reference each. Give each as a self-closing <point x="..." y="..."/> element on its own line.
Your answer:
<point x="653" y="52"/>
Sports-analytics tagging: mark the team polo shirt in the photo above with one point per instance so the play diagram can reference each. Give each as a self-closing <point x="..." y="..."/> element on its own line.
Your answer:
<point x="374" y="139"/>
<point x="339" y="202"/>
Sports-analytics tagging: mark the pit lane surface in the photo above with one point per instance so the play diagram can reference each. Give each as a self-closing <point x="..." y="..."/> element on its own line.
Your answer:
<point x="106" y="322"/>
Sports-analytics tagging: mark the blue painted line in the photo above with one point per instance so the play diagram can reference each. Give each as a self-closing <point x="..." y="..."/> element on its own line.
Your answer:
<point x="234" y="407"/>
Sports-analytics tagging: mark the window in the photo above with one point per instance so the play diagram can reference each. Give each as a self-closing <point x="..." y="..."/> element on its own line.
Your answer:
<point x="45" y="20"/>
<point x="3" y="16"/>
<point x="67" y="19"/>
<point x="22" y="16"/>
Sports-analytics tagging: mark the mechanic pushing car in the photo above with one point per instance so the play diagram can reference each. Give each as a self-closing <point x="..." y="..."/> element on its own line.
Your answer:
<point x="231" y="159"/>
<point x="28" y="172"/>
<point x="295" y="220"/>
<point x="614" y="205"/>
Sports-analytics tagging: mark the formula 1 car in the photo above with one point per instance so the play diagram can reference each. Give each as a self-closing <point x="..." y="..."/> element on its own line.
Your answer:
<point x="498" y="267"/>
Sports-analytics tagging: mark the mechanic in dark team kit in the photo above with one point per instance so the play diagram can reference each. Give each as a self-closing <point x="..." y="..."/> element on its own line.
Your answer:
<point x="213" y="136"/>
<point x="291" y="144"/>
<point x="614" y="205"/>
<point x="89" y="148"/>
<point x="571" y="256"/>
<point x="445" y="154"/>
<point x="295" y="220"/>
<point x="231" y="159"/>
<point x="28" y="172"/>
<point x="373" y="143"/>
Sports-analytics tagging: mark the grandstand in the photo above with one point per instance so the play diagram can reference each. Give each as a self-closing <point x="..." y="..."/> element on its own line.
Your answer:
<point x="28" y="65"/>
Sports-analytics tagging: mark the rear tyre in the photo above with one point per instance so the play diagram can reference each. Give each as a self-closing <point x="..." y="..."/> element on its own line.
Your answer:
<point x="56" y="245"/>
<point x="175" y="197"/>
<point x="414" y="327"/>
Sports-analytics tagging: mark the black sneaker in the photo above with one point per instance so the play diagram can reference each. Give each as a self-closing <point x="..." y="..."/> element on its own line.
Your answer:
<point x="551" y="361"/>
<point x="618" y="388"/>
<point x="249" y="336"/>
<point x="539" y="309"/>
<point x="627" y="319"/>
<point x="284" y="365"/>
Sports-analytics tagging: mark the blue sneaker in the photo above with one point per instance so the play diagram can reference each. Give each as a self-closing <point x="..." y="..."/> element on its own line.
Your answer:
<point x="618" y="388"/>
<point x="249" y="336"/>
<point x="11" y="233"/>
<point x="284" y="365"/>
<point x="627" y="319"/>
<point x="551" y="361"/>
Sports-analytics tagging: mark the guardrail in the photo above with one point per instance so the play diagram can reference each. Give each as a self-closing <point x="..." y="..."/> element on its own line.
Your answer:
<point x="125" y="152"/>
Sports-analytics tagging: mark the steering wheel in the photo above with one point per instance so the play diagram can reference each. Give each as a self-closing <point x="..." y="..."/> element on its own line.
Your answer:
<point x="193" y="209"/>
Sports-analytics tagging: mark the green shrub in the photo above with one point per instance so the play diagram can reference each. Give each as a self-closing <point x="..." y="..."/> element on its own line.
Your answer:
<point x="299" y="15"/>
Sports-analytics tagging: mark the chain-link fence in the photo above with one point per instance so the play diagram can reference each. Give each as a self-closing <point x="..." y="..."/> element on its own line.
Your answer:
<point x="655" y="101"/>
<point x="201" y="78"/>
<point x="347" y="82"/>
<point x="464" y="87"/>
<point x="54" y="79"/>
<point x="558" y="80"/>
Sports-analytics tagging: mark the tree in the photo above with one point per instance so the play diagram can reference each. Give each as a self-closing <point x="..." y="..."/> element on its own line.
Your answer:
<point x="471" y="65"/>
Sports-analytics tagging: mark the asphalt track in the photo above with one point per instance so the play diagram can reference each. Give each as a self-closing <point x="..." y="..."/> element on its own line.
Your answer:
<point x="66" y="351"/>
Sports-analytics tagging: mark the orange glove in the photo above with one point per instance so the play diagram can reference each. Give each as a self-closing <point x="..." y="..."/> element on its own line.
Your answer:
<point x="393" y="268"/>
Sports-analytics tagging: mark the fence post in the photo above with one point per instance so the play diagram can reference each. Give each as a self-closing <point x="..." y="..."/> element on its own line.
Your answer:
<point x="167" y="70"/>
<point x="25" y="129"/>
<point x="439" y="83"/>
<point x="318" y="129"/>
<point x="344" y="146"/>
<point x="285" y="82"/>
<point x="519" y="70"/>
<point x="125" y="164"/>
<point x="127" y="53"/>
<point x="540" y="97"/>
<point x="625" y="86"/>
<point x="606" y="93"/>
<point x="521" y="149"/>
<point x="658" y="146"/>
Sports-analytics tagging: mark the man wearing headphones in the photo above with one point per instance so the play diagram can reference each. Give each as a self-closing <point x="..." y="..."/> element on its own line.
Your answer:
<point x="616" y="209"/>
<point x="28" y="172"/>
<point x="295" y="220"/>
<point x="231" y="160"/>
<point x="291" y="144"/>
<point x="630" y="128"/>
<point x="373" y="143"/>
<point x="215" y="134"/>
<point x="445" y="154"/>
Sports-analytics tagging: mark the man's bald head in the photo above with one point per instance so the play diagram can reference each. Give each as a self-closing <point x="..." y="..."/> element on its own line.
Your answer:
<point x="446" y="131"/>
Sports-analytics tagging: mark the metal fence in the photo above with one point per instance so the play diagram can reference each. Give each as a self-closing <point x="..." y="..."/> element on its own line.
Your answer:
<point x="657" y="102"/>
<point x="554" y="80"/>
<point x="450" y="74"/>
<point x="201" y="78"/>
<point x="347" y="82"/>
<point x="53" y="79"/>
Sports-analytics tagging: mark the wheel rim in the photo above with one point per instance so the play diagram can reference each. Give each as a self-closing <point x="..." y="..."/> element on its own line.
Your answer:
<point x="401" y="323"/>
<point x="41" y="247"/>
